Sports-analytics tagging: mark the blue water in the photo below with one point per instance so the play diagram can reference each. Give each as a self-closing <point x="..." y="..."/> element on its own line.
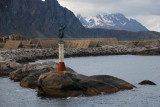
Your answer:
<point x="133" y="69"/>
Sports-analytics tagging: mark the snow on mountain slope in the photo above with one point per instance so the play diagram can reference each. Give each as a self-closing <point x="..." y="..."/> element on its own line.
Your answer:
<point x="115" y="21"/>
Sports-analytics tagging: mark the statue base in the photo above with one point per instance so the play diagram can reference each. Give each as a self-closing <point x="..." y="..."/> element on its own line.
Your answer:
<point x="61" y="67"/>
<point x="60" y="41"/>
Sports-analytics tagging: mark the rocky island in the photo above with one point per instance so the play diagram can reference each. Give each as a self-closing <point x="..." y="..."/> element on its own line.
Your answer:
<point x="50" y="82"/>
<point x="74" y="84"/>
<point x="53" y="83"/>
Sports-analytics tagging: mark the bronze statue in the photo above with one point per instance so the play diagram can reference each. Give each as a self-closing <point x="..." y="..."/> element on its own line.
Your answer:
<point x="61" y="31"/>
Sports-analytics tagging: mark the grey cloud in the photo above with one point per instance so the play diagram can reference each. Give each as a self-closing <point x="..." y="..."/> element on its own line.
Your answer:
<point x="145" y="11"/>
<point x="127" y="7"/>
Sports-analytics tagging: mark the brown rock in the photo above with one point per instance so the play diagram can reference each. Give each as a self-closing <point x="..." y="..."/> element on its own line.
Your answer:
<point x="30" y="81"/>
<point x="147" y="82"/>
<point x="7" y="66"/>
<point x="119" y="83"/>
<point x="73" y="84"/>
<point x="4" y="73"/>
<point x="28" y="69"/>
<point x="29" y="74"/>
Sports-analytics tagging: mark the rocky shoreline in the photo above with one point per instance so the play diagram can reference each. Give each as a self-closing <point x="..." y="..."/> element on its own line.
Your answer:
<point x="29" y="55"/>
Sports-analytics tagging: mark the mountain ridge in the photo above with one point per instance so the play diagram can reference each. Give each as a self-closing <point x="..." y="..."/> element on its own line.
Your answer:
<point x="41" y="19"/>
<point x="116" y="21"/>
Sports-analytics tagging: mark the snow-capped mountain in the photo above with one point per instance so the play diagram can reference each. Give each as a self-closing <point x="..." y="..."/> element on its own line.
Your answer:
<point x="115" y="21"/>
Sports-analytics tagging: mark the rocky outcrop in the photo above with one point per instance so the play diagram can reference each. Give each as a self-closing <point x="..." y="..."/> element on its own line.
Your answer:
<point x="73" y="84"/>
<point x="29" y="74"/>
<point x="147" y="82"/>
<point x="37" y="18"/>
<point x="6" y="67"/>
<point x="119" y="83"/>
<point x="30" y="69"/>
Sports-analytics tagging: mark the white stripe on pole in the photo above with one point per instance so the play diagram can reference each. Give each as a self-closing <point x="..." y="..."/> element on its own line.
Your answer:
<point x="61" y="52"/>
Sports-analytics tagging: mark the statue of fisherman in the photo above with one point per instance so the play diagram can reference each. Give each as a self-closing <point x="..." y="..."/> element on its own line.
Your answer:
<point x="61" y="33"/>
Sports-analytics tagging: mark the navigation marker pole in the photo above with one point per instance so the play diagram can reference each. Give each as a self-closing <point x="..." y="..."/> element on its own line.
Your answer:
<point x="61" y="65"/>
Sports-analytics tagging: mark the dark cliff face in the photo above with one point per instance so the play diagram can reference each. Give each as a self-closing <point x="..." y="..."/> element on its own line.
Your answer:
<point x="36" y="18"/>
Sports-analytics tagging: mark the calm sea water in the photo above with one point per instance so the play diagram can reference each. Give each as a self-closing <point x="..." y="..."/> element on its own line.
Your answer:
<point x="133" y="69"/>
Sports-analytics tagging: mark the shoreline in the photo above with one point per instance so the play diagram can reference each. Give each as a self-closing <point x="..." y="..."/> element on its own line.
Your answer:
<point x="31" y="55"/>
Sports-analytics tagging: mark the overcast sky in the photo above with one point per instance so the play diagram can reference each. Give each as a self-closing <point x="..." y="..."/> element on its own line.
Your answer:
<point x="146" y="12"/>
